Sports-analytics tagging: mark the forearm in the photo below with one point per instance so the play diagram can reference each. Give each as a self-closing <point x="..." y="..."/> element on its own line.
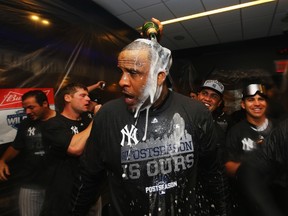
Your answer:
<point x="9" y="154"/>
<point x="231" y="168"/>
<point x="95" y="86"/>
<point x="78" y="141"/>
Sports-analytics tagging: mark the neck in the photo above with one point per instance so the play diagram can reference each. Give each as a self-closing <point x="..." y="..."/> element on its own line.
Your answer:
<point x="162" y="98"/>
<point x="50" y="113"/>
<point x="70" y="114"/>
<point x="256" y="121"/>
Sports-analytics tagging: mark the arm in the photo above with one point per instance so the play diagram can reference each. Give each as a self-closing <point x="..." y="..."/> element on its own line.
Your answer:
<point x="8" y="155"/>
<point x="78" y="141"/>
<point x="231" y="168"/>
<point x="96" y="85"/>
<point x="215" y="182"/>
<point x="232" y="154"/>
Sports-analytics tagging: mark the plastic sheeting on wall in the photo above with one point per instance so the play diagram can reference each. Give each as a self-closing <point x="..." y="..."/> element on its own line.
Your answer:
<point x="81" y="43"/>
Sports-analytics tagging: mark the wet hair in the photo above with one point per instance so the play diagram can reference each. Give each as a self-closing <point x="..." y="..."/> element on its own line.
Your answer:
<point x="39" y="95"/>
<point x="156" y="53"/>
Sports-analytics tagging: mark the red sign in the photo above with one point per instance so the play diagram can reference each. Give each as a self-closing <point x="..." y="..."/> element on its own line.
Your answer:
<point x="12" y="113"/>
<point x="11" y="98"/>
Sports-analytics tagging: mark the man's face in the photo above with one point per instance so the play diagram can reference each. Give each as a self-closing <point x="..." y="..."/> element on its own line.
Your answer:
<point x="33" y="110"/>
<point x="135" y="66"/>
<point x="255" y="106"/>
<point x="209" y="98"/>
<point x="79" y="101"/>
<point x="193" y="95"/>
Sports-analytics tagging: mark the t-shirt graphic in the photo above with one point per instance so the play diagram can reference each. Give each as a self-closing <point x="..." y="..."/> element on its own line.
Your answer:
<point x="159" y="160"/>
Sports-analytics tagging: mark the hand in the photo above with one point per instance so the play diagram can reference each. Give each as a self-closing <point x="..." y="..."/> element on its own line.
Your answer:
<point x="159" y="25"/>
<point x="156" y="21"/>
<point x="101" y="84"/>
<point x="4" y="171"/>
<point x="96" y="108"/>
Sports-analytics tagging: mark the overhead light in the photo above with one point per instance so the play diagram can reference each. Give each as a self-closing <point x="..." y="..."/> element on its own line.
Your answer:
<point x="34" y="17"/>
<point x="220" y="10"/>
<point x="40" y="20"/>
<point x="45" y="22"/>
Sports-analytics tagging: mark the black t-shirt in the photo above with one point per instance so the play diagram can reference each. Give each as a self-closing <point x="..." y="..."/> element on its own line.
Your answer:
<point x="29" y="141"/>
<point x="244" y="138"/>
<point x="264" y="165"/>
<point x="153" y="170"/>
<point x="62" y="167"/>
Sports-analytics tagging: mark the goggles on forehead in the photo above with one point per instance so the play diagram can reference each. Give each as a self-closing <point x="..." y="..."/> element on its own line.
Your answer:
<point x="253" y="89"/>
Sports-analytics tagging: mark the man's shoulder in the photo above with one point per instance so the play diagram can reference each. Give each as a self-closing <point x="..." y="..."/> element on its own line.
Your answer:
<point x="187" y="101"/>
<point x="239" y="126"/>
<point x="114" y="105"/>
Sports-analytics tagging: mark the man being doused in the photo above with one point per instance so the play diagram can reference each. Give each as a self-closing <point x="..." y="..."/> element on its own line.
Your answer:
<point x="150" y="145"/>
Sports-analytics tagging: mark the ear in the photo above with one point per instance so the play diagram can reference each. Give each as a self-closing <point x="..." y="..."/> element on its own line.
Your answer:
<point x="67" y="97"/>
<point x="220" y="102"/>
<point x="242" y="104"/>
<point x="161" y="78"/>
<point x="45" y="104"/>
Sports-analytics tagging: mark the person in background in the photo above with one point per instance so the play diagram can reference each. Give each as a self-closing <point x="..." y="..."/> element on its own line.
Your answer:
<point x="211" y="95"/>
<point x="246" y="136"/>
<point x="150" y="144"/>
<point x="29" y="143"/>
<point x="264" y="165"/>
<point x="67" y="134"/>
<point x="193" y="95"/>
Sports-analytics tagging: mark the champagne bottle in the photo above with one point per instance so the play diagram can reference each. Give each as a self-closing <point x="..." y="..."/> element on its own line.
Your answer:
<point x="150" y="30"/>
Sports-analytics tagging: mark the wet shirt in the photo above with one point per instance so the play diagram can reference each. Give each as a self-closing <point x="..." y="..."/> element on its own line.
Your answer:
<point x="29" y="141"/>
<point x="153" y="173"/>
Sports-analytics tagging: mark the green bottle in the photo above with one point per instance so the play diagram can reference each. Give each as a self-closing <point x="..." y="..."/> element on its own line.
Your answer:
<point x="150" y="30"/>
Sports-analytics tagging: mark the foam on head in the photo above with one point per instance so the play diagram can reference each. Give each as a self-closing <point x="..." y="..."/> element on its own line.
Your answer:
<point x="160" y="61"/>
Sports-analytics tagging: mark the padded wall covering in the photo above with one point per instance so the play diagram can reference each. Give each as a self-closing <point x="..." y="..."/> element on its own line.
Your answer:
<point x="80" y="44"/>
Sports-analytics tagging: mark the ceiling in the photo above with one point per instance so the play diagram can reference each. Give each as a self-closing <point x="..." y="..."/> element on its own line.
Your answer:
<point x="269" y="19"/>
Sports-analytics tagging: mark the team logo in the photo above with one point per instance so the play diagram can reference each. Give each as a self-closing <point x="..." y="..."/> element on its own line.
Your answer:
<point x="248" y="144"/>
<point x="31" y="131"/>
<point x="74" y="130"/>
<point x="131" y="135"/>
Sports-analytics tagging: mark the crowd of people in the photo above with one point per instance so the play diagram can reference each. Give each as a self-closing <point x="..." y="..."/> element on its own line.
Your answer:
<point x="153" y="151"/>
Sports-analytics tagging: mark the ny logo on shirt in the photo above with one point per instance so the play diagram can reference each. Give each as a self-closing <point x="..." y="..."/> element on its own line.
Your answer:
<point x="31" y="131"/>
<point x="131" y="135"/>
<point x="74" y="129"/>
<point x="248" y="144"/>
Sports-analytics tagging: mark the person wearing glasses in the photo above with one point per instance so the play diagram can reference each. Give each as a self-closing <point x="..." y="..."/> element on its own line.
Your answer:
<point x="247" y="136"/>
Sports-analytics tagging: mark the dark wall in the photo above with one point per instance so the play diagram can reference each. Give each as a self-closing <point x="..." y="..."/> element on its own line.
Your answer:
<point x="231" y="62"/>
